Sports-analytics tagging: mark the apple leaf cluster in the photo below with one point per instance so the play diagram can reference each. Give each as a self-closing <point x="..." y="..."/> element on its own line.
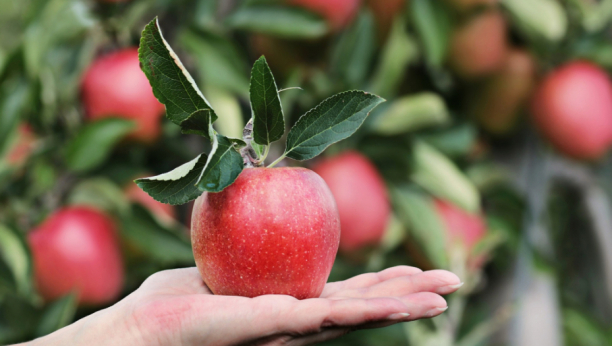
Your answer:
<point x="335" y="119"/>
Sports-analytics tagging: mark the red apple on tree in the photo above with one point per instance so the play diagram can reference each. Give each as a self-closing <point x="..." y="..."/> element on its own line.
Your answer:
<point x="478" y="47"/>
<point x="572" y="108"/>
<point x="463" y="228"/>
<point x="338" y="13"/>
<point x="76" y="250"/>
<point x="361" y="196"/>
<point x="254" y="230"/>
<point x="114" y="86"/>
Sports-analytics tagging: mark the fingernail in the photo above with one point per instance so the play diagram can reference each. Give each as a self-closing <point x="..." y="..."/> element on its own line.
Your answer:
<point x="398" y="316"/>
<point x="435" y="311"/>
<point x="449" y="289"/>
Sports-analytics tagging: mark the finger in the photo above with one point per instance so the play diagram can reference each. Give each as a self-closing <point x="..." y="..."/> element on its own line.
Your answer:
<point x="365" y="280"/>
<point x="423" y="305"/>
<point x="438" y="281"/>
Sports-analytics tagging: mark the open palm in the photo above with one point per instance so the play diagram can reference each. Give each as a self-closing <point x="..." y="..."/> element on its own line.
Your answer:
<point x="175" y="307"/>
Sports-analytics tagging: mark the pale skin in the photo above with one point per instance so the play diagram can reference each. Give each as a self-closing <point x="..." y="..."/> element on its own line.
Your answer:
<point x="175" y="307"/>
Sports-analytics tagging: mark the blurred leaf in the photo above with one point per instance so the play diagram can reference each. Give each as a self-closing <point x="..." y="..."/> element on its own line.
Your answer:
<point x="231" y="123"/>
<point x="282" y="21"/>
<point x="455" y="141"/>
<point x="172" y="84"/>
<point x="101" y="193"/>
<point x="16" y="254"/>
<point x="432" y="21"/>
<point x="354" y="52"/>
<point x="94" y="143"/>
<point x="528" y="16"/>
<point x="166" y="246"/>
<point x="17" y="319"/>
<point x="439" y="175"/>
<point x="394" y="234"/>
<point x="219" y="62"/>
<point x="411" y="113"/>
<point x="418" y="212"/>
<point x="290" y="98"/>
<point x="223" y="166"/>
<point x="177" y="186"/>
<point x="57" y="315"/>
<point x="333" y="120"/>
<point x="15" y="97"/>
<point x="268" y="118"/>
<point x="582" y="330"/>
<point x="399" y="51"/>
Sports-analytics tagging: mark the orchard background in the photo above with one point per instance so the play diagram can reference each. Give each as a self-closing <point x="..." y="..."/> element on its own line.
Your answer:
<point x="489" y="157"/>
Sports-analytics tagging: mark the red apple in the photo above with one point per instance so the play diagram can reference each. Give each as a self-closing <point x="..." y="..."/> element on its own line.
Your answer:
<point x="273" y="231"/>
<point x="384" y="14"/>
<point x="361" y="196"/>
<point x="461" y="227"/>
<point x="114" y="86"/>
<point x="22" y="146"/>
<point x="338" y="13"/>
<point x="76" y="249"/>
<point x="499" y="100"/>
<point x="573" y="109"/>
<point x="478" y="47"/>
<point x="165" y="212"/>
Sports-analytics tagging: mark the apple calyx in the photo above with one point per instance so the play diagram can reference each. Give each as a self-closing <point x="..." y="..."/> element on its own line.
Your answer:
<point x="334" y="119"/>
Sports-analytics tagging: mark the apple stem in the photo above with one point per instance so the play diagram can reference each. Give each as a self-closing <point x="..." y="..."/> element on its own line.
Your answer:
<point x="277" y="161"/>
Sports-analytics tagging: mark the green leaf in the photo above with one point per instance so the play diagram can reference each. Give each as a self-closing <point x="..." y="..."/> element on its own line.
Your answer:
<point x="283" y="21"/>
<point x="223" y="166"/>
<point x="331" y="121"/>
<point x="399" y="51"/>
<point x="411" y="113"/>
<point x="57" y="315"/>
<point x="418" y="212"/>
<point x="16" y="255"/>
<point x="354" y="52"/>
<point x="455" y="141"/>
<point x="268" y="119"/>
<point x="101" y="193"/>
<point x="436" y="173"/>
<point x="94" y="143"/>
<point x="219" y="63"/>
<point x="177" y="186"/>
<point x="164" y="245"/>
<point x="198" y="123"/>
<point x="15" y="97"/>
<point x="528" y="16"/>
<point x="172" y="84"/>
<point x="432" y="22"/>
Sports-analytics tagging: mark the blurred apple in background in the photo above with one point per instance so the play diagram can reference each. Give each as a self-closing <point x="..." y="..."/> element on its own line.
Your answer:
<point x="361" y="196"/>
<point x="114" y="86"/>
<point x="273" y="231"/>
<point x="21" y="146"/>
<point x="499" y="100"/>
<point x="384" y="14"/>
<point x="76" y="250"/>
<point x="164" y="212"/>
<point x="572" y="108"/>
<point x="479" y="45"/>
<point x="338" y="13"/>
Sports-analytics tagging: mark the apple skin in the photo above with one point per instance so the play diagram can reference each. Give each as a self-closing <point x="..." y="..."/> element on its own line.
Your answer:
<point x="478" y="47"/>
<point x="273" y="231"/>
<point x="572" y="108"/>
<point x="338" y="13"/>
<point x="361" y="196"/>
<point x="498" y="102"/>
<point x="461" y="226"/>
<point x="114" y="86"/>
<point x="76" y="249"/>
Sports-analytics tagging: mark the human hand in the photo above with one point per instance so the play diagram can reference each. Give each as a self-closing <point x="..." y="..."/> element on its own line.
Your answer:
<point x="175" y="307"/>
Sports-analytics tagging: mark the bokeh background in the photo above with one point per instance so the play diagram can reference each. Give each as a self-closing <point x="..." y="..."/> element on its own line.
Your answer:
<point x="490" y="152"/>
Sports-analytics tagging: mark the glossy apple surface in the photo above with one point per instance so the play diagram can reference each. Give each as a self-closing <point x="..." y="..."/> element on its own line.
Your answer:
<point x="361" y="196"/>
<point x="478" y="46"/>
<point x="273" y="231"/>
<point x="572" y="108"/>
<point x="338" y="13"/>
<point x="114" y="86"/>
<point x="76" y="249"/>
<point x="498" y="102"/>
